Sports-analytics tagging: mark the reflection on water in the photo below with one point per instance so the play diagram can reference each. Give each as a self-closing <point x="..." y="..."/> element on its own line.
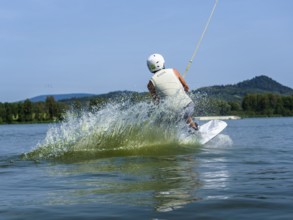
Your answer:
<point x="214" y="171"/>
<point x="164" y="177"/>
<point x="165" y="183"/>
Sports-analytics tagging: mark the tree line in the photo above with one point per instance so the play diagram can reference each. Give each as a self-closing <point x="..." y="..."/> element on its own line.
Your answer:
<point x="267" y="105"/>
<point x="29" y="112"/>
<point x="263" y="105"/>
<point x="252" y="105"/>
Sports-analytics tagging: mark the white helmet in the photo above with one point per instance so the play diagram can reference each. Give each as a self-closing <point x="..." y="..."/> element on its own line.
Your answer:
<point x="155" y="62"/>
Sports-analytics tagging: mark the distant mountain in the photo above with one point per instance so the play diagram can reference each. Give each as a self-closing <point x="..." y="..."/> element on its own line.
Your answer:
<point x="83" y="96"/>
<point x="60" y="97"/>
<point x="259" y="84"/>
<point x="264" y="83"/>
<point x="116" y="95"/>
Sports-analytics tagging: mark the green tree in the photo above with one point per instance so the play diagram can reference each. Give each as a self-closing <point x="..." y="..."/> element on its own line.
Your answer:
<point x="262" y="104"/>
<point x="279" y="108"/>
<point x="39" y="111"/>
<point x="97" y="103"/>
<point x="20" y="112"/>
<point x="8" y="113"/>
<point x="77" y="105"/>
<point x="288" y="104"/>
<point x="224" y="108"/>
<point x="249" y="103"/>
<point x="2" y="113"/>
<point x="27" y="110"/>
<point x="51" y="108"/>
<point x="235" y="106"/>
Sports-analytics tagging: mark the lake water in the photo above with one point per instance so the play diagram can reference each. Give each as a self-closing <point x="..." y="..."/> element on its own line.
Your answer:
<point x="244" y="173"/>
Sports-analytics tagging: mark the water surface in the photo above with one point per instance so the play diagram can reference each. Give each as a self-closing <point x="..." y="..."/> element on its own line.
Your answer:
<point x="246" y="172"/>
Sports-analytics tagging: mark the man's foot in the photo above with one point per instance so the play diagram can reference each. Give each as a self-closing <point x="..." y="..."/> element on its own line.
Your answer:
<point x="193" y="129"/>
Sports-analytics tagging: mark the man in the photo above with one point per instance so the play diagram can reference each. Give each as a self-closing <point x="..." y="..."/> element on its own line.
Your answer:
<point x="167" y="83"/>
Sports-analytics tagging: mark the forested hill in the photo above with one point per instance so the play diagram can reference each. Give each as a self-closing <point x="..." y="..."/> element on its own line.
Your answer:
<point x="242" y="99"/>
<point x="259" y="84"/>
<point x="236" y="92"/>
<point x="264" y="83"/>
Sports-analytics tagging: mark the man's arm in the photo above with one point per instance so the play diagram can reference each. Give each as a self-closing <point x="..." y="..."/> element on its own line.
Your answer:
<point x="153" y="91"/>
<point x="181" y="79"/>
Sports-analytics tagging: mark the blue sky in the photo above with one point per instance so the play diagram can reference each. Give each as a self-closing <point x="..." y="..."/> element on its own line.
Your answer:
<point x="98" y="46"/>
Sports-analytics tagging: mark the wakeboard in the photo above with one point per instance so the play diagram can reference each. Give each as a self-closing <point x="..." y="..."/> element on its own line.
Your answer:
<point x="209" y="130"/>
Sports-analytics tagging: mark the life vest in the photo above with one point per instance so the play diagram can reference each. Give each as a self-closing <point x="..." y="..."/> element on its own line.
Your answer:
<point x="168" y="85"/>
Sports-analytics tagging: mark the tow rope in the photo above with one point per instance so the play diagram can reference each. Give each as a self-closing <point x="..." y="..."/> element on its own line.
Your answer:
<point x="200" y="39"/>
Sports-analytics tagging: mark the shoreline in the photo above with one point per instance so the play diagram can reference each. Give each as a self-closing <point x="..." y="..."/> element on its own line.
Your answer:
<point x="207" y="118"/>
